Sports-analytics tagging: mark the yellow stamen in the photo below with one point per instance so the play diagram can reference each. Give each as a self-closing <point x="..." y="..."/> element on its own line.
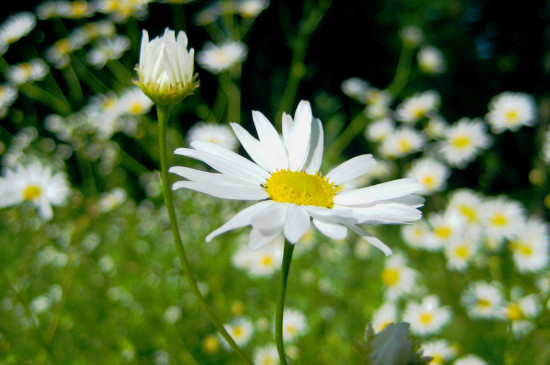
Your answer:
<point x="300" y="188"/>
<point x="460" y="141"/>
<point x="499" y="220"/>
<point x="32" y="192"/>
<point x="266" y="260"/>
<point x="390" y="276"/>
<point x="512" y="116"/>
<point x="462" y="251"/>
<point x="468" y="212"/>
<point x="483" y="303"/>
<point x="513" y="312"/>
<point x="136" y="108"/>
<point x="426" y="318"/>
<point x="443" y="232"/>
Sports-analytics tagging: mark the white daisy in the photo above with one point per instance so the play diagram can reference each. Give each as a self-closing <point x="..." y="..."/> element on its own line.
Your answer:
<point x="412" y="35"/>
<point x="219" y="134"/>
<point x="16" y="26"/>
<point x="446" y="227"/>
<point x="266" y="355"/>
<point x="134" y="102"/>
<point x="470" y="359"/>
<point x="240" y="329"/>
<point x="428" y="317"/>
<point x="483" y="300"/>
<point x="430" y="172"/>
<point x="521" y="312"/>
<point x="502" y="218"/>
<point x="379" y="130"/>
<point x="285" y="177"/>
<point x="546" y="147"/>
<point x="385" y="315"/>
<point x="418" y="235"/>
<point x="463" y="141"/>
<point x="468" y="205"/>
<point x="530" y="246"/>
<point x="511" y="111"/>
<point x="430" y="60"/>
<point x="251" y="8"/>
<point x="294" y="324"/>
<point x="439" y="350"/>
<point x="401" y="142"/>
<point x="107" y="50"/>
<point x="220" y="58"/>
<point x="378" y="104"/>
<point x="37" y="184"/>
<point x="460" y="252"/>
<point x="356" y="88"/>
<point x="34" y="70"/>
<point x="398" y="278"/>
<point x="436" y="127"/>
<point x="58" y="53"/>
<point x="8" y="95"/>
<point x="418" y="106"/>
<point x="261" y="262"/>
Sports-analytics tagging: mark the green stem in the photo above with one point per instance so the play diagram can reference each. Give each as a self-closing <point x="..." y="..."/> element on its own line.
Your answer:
<point x="403" y="70"/>
<point x="37" y="93"/>
<point x="163" y="114"/>
<point x="352" y="130"/>
<point x="285" y="268"/>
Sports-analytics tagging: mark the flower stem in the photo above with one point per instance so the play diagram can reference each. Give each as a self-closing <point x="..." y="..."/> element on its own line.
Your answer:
<point x="163" y="114"/>
<point x="287" y="258"/>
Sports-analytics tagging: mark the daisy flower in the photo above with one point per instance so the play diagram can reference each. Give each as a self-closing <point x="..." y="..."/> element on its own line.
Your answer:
<point x="34" y="70"/>
<point x="219" y="134"/>
<point x="546" y="148"/>
<point x="240" y="329"/>
<point x="439" y="350"/>
<point x="107" y="50"/>
<point x="418" y="106"/>
<point x="511" y="111"/>
<point x="379" y="130"/>
<point x="251" y="8"/>
<point x="58" y="53"/>
<point x="502" y="218"/>
<point x="418" y="235"/>
<point x="385" y="315"/>
<point x="398" y="278"/>
<point x="8" y="95"/>
<point x="530" y="246"/>
<point x="378" y="103"/>
<point x="430" y="172"/>
<point x="285" y="178"/>
<point x="134" y="102"/>
<point x="428" y="317"/>
<point x="37" y="184"/>
<point x="446" y="226"/>
<point x="266" y="355"/>
<point x="294" y="324"/>
<point x="412" y="35"/>
<point x="17" y="26"/>
<point x="436" y="127"/>
<point x="430" y="60"/>
<point x="468" y="205"/>
<point x="470" y="359"/>
<point x="401" y="142"/>
<point x="220" y="58"/>
<point x="261" y="262"/>
<point x="463" y="140"/>
<point x="356" y="88"/>
<point x="459" y="252"/>
<point x="520" y="312"/>
<point x="483" y="300"/>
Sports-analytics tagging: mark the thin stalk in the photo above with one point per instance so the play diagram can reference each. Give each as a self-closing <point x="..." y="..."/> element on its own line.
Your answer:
<point x="37" y="93"/>
<point x="352" y="130"/>
<point x="163" y="114"/>
<point x="403" y="70"/>
<point x="285" y="268"/>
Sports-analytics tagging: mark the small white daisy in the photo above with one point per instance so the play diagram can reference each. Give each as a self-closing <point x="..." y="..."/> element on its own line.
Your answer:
<point x="460" y="252"/>
<point x="430" y="173"/>
<point x="240" y="329"/>
<point x="261" y="262"/>
<point x="58" y="53"/>
<point x="378" y="104"/>
<point x="220" y="58"/>
<point x="397" y="277"/>
<point x="430" y="60"/>
<point x="412" y="35"/>
<point x="134" y="102"/>
<point x="470" y="359"/>
<point x="436" y="127"/>
<point x="284" y="177"/>
<point x="427" y="317"/>
<point x="17" y="26"/>
<point x="219" y="134"/>
<point x="463" y="141"/>
<point x="401" y="142"/>
<point x="8" y="95"/>
<point x="418" y="106"/>
<point x="385" y="315"/>
<point x="530" y="246"/>
<point x="468" y="205"/>
<point x="266" y="355"/>
<point x="356" y="88"/>
<point x="107" y="50"/>
<point x="483" y="300"/>
<point x="511" y="111"/>
<point x="33" y="70"/>
<point x="446" y="226"/>
<point x="546" y="147"/>
<point x="379" y="130"/>
<point x="37" y="184"/>
<point x="441" y="351"/>
<point x="251" y="8"/>
<point x="418" y="235"/>
<point x="520" y="313"/>
<point x="502" y="218"/>
<point x="294" y="324"/>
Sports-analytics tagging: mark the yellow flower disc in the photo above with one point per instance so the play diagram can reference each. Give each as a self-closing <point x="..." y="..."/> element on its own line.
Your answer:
<point x="32" y="192"/>
<point x="301" y="188"/>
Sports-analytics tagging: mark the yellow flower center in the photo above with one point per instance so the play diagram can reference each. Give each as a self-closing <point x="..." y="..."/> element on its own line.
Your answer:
<point x="291" y="330"/>
<point x="426" y="318"/>
<point x="300" y="188"/>
<point x="26" y="67"/>
<point x="512" y="116"/>
<point x="460" y="142"/>
<point x="266" y="260"/>
<point x="404" y="145"/>
<point x="443" y="232"/>
<point x="390" y="276"/>
<point x="136" y="108"/>
<point x="513" y="312"/>
<point x="79" y="9"/>
<point x="211" y="344"/>
<point x="483" y="303"/>
<point x="462" y="251"/>
<point x="499" y="220"/>
<point x="428" y="181"/>
<point x="522" y="248"/>
<point x="418" y="112"/>
<point x="469" y="213"/>
<point x="238" y="331"/>
<point x="63" y="46"/>
<point x="32" y="192"/>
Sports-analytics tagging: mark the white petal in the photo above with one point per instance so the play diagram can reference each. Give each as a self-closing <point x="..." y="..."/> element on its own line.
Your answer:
<point x="316" y="148"/>
<point x="223" y="191"/>
<point x="331" y="230"/>
<point x="297" y="223"/>
<point x="240" y="219"/>
<point x="380" y="192"/>
<point x="351" y="169"/>
<point x="257" y="239"/>
<point x="299" y="138"/>
<point x="271" y="220"/>
<point x="208" y="177"/>
<point x="271" y="141"/>
<point x="251" y="145"/>
<point x="388" y="213"/>
<point x="338" y="215"/>
<point x="371" y="239"/>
